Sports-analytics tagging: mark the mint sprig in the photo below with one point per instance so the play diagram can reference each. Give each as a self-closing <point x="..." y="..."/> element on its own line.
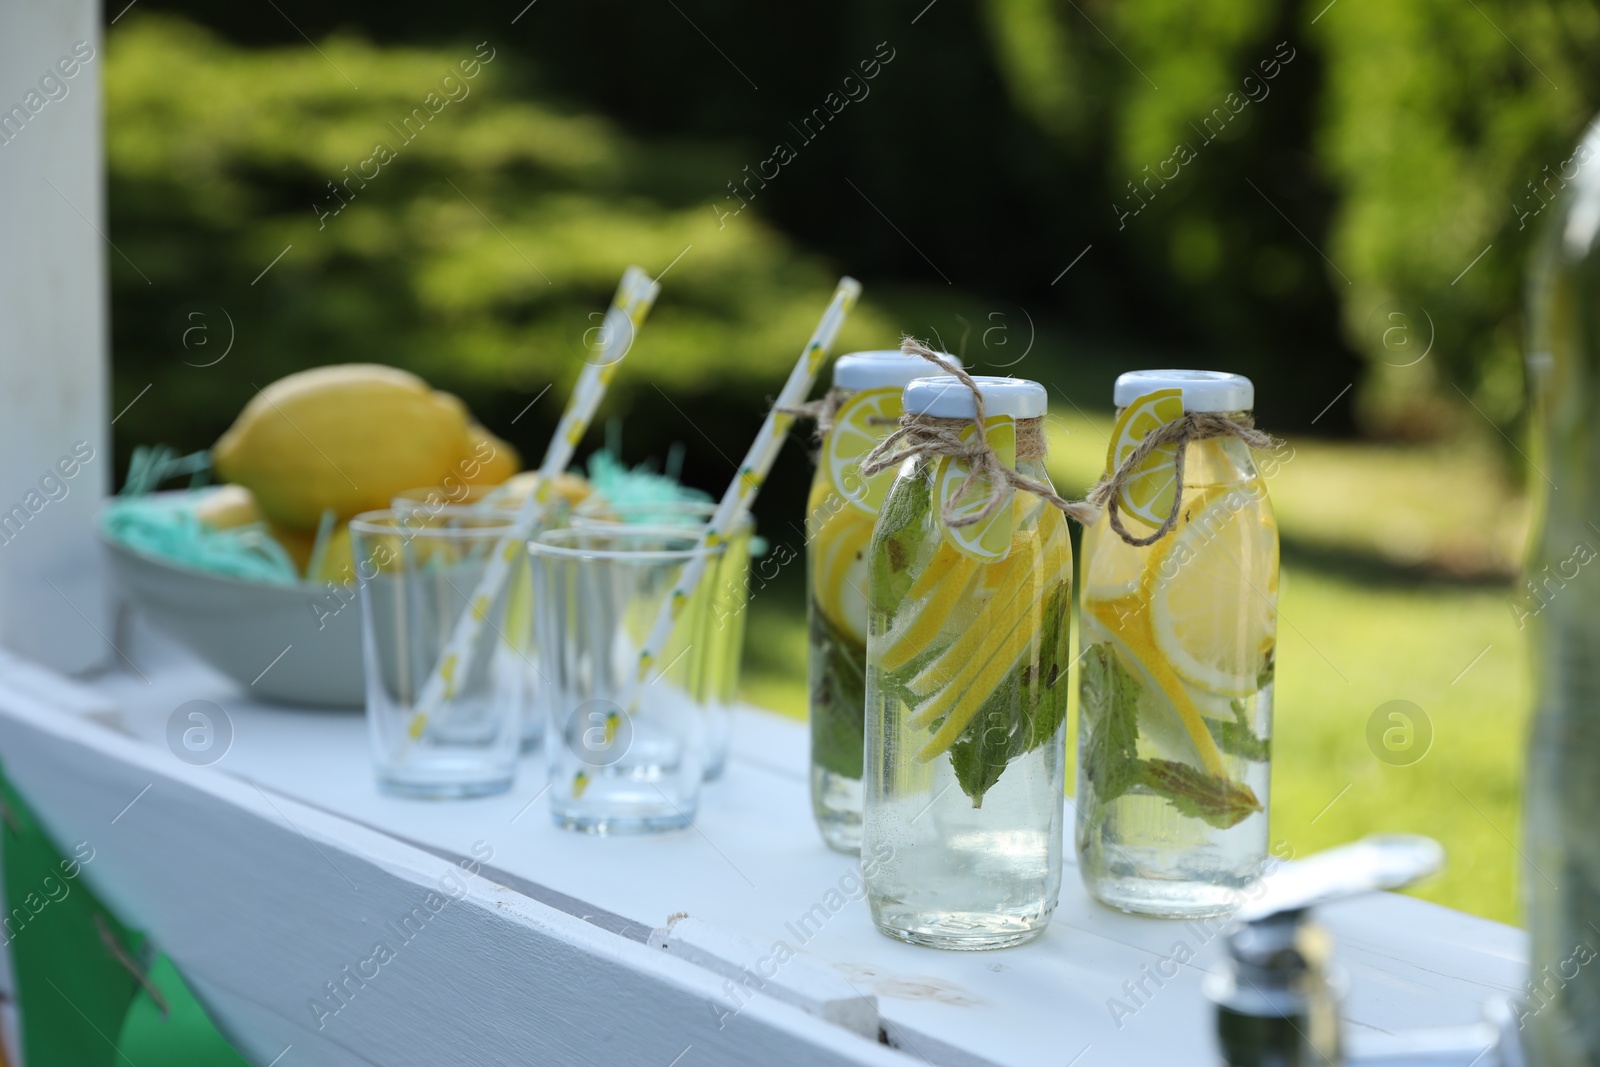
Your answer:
<point x="1109" y="735"/>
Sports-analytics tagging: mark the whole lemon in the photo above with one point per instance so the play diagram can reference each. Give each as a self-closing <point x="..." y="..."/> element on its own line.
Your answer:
<point x="490" y="461"/>
<point x="347" y="437"/>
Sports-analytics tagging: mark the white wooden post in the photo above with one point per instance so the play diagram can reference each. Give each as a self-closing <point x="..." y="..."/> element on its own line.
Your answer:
<point x="55" y="454"/>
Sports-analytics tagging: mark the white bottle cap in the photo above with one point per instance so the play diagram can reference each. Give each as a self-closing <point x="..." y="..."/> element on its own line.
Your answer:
<point x="882" y="369"/>
<point x="947" y="397"/>
<point x="1203" y="390"/>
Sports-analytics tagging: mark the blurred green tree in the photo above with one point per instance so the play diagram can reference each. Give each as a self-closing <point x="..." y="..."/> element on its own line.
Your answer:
<point x="1312" y="231"/>
<point x="431" y="220"/>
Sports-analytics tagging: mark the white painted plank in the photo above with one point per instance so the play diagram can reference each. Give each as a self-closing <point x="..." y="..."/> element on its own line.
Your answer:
<point x="54" y="604"/>
<point x="265" y="902"/>
<point x="51" y="688"/>
<point x="772" y="969"/>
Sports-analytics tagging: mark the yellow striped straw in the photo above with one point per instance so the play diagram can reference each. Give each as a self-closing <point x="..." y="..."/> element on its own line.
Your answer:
<point x="741" y="492"/>
<point x="627" y="312"/>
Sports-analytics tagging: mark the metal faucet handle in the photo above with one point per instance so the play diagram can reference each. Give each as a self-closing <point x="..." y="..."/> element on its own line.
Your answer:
<point x="1382" y="861"/>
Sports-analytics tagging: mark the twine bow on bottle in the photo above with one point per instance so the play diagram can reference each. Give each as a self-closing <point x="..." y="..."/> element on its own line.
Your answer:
<point x="1193" y="426"/>
<point x="823" y="410"/>
<point x="925" y="435"/>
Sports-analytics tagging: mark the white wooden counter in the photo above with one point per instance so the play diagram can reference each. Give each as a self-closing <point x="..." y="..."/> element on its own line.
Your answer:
<point x="270" y="873"/>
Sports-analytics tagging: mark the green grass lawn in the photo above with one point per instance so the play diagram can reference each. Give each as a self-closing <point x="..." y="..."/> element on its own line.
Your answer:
<point x="1396" y="586"/>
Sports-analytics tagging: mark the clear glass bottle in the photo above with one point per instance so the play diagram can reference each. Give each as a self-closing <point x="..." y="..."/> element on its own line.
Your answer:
<point x="967" y="655"/>
<point x="840" y="511"/>
<point x="1175" y="682"/>
<point x="1560" y="1010"/>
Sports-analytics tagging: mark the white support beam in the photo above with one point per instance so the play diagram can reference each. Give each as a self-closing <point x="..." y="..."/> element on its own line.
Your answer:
<point x="55" y="454"/>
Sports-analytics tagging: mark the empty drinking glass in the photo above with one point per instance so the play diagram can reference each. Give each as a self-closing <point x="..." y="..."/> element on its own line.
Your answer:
<point x="432" y="501"/>
<point x="726" y="589"/>
<point x="627" y="754"/>
<point x="418" y="574"/>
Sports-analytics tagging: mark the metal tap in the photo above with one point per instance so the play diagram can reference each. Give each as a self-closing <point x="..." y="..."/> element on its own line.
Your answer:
<point x="1278" y="997"/>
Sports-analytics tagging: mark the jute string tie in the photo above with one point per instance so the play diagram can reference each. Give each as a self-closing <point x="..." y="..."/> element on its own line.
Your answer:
<point x="825" y="411"/>
<point x="924" y="435"/>
<point x="1194" y="426"/>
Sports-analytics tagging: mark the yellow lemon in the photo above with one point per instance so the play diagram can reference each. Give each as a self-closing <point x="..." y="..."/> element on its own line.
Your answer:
<point x="489" y="460"/>
<point x="514" y="491"/>
<point x="1211" y="587"/>
<point x="338" y="563"/>
<point x="297" y="543"/>
<point x="863" y="421"/>
<point x="345" y="437"/>
<point x="1147" y="495"/>
<point x="226" y="506"/>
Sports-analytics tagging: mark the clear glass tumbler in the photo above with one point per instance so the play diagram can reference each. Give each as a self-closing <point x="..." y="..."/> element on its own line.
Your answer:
<point x="626" y="756"/>
<point x="519" y="610"/>
<point x="726" y="590"/>
<point x="418" y="574"/>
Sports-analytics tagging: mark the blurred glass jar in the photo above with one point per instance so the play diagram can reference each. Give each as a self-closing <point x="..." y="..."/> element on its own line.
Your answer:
<point x="1561" y="1015"/>
<point x="1175" y="694"/>
<point x="967" y="656"/>
<point x="725" y="590"/>
<point x="861" y="409"/>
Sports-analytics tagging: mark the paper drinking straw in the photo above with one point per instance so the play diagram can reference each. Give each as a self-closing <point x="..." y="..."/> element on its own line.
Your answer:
<point x="629" y="306"/>
<point x="753" y="471"/>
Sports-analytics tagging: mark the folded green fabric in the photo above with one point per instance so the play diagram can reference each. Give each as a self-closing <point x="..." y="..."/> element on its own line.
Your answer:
<point x="79" y="1004"/>
<point x="181" y="1036"/>
<point x="71" y="992"/>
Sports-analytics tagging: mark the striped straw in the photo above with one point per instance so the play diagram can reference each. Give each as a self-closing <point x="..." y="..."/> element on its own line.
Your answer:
<point x="629" y="306"/>
<point x="741" y="493"/>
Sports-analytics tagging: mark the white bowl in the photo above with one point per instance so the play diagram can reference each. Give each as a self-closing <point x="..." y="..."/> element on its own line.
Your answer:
<point x="241" y="628"/>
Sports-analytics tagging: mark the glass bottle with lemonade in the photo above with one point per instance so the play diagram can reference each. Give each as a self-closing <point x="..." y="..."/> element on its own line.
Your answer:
<point x="1175" y="698"/>
<point x="840" y="512"/>
<point x="967" y="659"/>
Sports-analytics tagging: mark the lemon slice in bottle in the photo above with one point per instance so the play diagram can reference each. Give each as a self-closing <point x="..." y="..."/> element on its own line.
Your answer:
<point x="1147" y="495"/>
<point x="1125" y="623"/>
<point x="862" y="422"/>
<point x="1224" y="550"/>
<point x="839" y="576"/>
<point x="1112" y="567"/>
<point x="989" y="540"/>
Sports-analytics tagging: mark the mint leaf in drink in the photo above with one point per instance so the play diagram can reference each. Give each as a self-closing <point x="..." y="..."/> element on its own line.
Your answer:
<point x="1045" y="690"/>
<point x="991" y="739"/>
<point x="1219" y="801"/>
<point x="901" y="529"/>
<point x="1268" y="667"/>
<point x="838" y="697"/>
<point x="1236" y="738"/>
<point x="1108" y="724"/>
<point x="1025" y="711"/>
<point x="1109" y="735"/>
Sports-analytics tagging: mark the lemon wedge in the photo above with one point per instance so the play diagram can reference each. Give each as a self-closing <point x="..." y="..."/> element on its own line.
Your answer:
<point x="839" y="570"/>
<point x="1147" y="494"/>
<point x="906" y="641"/>
<point x="952" y="576"/>
<point x="863" y="421"/>
<point x="1112" y="568"/>
<point x="1211" y="588"/>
